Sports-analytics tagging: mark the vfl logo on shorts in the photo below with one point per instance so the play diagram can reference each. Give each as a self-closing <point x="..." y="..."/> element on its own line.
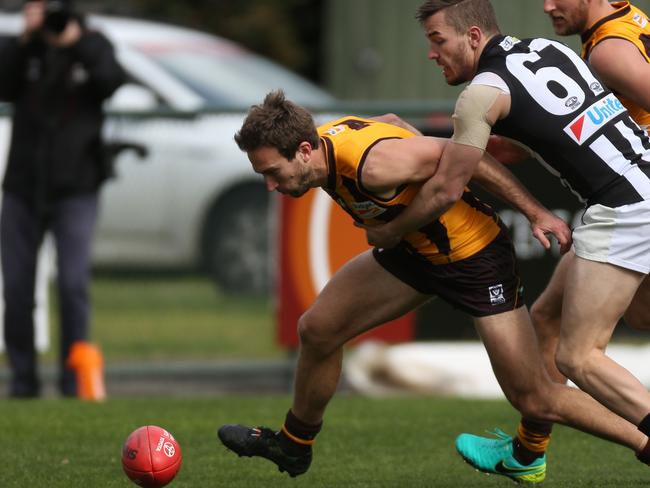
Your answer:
<point x="496" y="295"/>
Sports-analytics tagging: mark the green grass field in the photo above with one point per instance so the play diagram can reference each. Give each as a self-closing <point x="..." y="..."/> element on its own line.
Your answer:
<point x="406" y="442"/>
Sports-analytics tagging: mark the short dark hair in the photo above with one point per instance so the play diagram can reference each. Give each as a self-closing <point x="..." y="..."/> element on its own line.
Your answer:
<point x="462" y="14"/>
<point x="277" y="123"/>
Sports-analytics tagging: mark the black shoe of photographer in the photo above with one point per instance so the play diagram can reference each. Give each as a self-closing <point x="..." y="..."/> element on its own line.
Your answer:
<point x="264" y="442"/>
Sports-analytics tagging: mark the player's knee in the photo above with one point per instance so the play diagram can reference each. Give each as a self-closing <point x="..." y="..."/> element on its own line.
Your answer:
<point x="313" y="333"/>
<point x="568" y="362"/>
<point x="307" y="329"/>
<point x="544" y="317"/>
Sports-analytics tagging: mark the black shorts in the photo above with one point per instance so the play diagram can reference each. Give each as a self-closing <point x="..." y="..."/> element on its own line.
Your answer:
<point x="486" y="283"/>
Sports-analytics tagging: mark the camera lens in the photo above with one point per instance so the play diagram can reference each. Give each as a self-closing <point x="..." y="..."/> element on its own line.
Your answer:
<point x="57" y="16"/>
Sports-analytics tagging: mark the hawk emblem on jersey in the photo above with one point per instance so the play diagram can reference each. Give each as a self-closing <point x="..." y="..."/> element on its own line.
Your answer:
<point x="594" y="118"/>
<point x="367" y="209"/>
<point x="355" y="124"/>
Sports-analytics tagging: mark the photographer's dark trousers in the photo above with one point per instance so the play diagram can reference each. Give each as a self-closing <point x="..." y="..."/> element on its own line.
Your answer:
<point x="72" y="222"/>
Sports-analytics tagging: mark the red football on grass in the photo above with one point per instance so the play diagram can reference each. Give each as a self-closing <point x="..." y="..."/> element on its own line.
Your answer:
<point x="151" y="457"/>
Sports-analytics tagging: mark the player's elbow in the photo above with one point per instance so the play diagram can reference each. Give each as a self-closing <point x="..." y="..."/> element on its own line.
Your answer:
<point x="372" y="176"/>
<point x="439" y="202"/>
<point x="448" y="196"/>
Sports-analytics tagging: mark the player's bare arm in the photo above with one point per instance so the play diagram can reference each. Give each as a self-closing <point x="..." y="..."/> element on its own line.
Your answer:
<point x="499" y="181"/>
<point x="621" y="66"/>
<point x="395" y="162"/>
<point x="477" y="109"/>
<point x="437" y="195"/>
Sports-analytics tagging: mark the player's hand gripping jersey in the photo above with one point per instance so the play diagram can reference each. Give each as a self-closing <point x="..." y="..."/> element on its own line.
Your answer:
<point x="562" y="112"/>
<point x="631" y="24"/>
<point x="462" y="231"/>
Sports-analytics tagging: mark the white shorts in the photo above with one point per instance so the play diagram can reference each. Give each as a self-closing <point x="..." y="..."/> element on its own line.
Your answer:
<point x="619" y="236"/>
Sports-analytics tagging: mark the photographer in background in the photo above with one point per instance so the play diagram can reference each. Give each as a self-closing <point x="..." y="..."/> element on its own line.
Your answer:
<point x="57" y="75"/>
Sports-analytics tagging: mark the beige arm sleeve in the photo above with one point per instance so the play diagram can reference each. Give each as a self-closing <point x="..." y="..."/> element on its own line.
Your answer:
<point x="471" y="126"/>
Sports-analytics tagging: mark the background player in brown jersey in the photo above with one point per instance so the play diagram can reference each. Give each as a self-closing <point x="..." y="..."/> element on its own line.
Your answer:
<point x="613" y="42"/>
<point x="379" y="285"/>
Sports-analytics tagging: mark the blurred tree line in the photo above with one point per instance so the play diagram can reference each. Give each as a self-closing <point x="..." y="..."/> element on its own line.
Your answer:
<point x="288" y="31"/>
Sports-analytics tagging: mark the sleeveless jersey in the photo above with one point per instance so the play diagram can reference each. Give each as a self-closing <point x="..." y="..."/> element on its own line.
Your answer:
<point x="631" y="24"/>
<point x="574" y="124"/>
<point x="461" y="232"/>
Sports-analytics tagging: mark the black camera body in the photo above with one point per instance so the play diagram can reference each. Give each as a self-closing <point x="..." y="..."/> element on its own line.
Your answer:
<point x="57" y="15"/>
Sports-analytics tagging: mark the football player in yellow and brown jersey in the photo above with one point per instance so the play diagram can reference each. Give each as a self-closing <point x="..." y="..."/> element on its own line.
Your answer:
<point x="459" y="233"/>
<point x="616" y="42"/>
<point x="373" y="170"/>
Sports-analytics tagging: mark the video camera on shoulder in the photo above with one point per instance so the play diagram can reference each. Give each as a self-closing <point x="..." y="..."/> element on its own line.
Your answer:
<point x="57" y="15"/>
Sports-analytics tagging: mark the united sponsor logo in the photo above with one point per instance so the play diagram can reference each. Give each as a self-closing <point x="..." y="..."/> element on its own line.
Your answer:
<point x="593" y="118"/>
<point x="367" y="209"/>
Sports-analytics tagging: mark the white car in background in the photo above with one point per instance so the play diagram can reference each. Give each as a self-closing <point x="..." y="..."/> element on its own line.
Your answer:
<point x="190" y="197"/>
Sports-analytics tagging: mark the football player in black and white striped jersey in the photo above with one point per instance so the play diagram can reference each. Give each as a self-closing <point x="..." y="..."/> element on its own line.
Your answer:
<point x="612" y="37"/>
<point x="541" y="94"/>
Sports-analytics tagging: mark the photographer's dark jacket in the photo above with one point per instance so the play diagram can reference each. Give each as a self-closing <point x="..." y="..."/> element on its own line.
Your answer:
<point x="57" y="95"/>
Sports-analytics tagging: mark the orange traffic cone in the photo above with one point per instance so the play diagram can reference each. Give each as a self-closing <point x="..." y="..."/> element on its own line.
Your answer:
<point x="87" y="362"/>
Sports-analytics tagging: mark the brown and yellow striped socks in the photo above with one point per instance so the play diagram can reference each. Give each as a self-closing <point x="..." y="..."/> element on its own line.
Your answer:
<point x="298" y="435"/>
<point x="532" y="440"/>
